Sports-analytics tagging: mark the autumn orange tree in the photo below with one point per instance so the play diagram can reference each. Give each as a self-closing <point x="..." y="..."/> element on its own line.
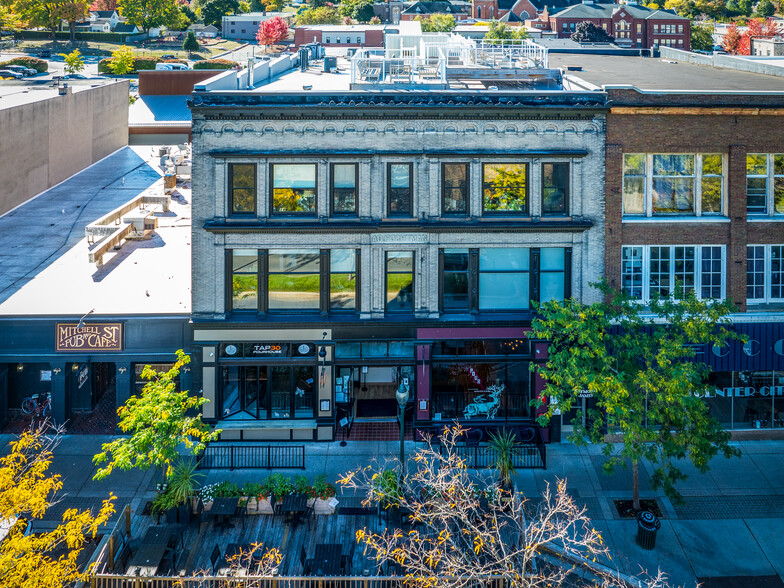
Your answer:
<point x="27" y="491"/>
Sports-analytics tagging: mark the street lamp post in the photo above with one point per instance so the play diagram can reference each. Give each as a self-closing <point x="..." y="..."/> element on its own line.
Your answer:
<point x="402" y="399"/>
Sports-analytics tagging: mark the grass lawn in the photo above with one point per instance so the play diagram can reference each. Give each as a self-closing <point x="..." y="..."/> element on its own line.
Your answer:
<point x="208" y="50"/>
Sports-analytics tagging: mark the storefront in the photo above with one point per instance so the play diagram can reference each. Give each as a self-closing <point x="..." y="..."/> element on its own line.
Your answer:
<point x="84" y="365"/>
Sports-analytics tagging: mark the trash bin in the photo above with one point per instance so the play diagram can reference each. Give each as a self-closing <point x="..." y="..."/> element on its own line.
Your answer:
<point x="647" y="527"/>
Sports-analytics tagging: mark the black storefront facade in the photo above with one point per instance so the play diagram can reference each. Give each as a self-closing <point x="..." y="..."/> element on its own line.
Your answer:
<point x="304" y="381"/>
<point x="79" y="363"/>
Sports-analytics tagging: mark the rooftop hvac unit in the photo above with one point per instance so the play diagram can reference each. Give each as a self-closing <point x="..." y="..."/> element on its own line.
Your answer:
<point x="330" y="63"/>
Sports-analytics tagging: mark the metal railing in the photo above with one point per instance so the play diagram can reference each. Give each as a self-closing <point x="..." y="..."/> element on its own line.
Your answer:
<point x="107" y="581"/>
<point x="230" y="456"/>
<point x="525" y="456"/>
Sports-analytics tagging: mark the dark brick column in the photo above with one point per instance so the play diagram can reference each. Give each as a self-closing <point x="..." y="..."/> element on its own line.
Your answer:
<point x="736" y="249"/>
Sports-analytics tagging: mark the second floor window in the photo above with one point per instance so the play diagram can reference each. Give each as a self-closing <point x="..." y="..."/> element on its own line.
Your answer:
<point x="504" y="279"/>
<point x="673" y="183"/>
<point x="401" y="195"/>
<point x="454" y="194"/>
<point x="764" y="183"/>
<point x="555" y="188"/>
<point x="765" y="273"/>
<point x="245" y="280"/>
<point x="343" y="282"/>
<point x="647" y="270"/>
<point x="242" y="189"/>
<point x="344" y="189"/>
<point x="505" y="188"/>
<point x="294" y="280"/>
<point x="454" y="280"/>
<point x="294" y="188"/>
<point x="400" y="281"/>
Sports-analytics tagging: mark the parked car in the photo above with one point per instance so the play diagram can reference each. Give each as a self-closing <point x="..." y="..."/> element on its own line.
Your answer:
<point x="8" y="73"/>
<point x="45" y="54"/>
<point x="78" y="76"/>
<point x="25" y="71"/>
<point x="168" y="57"/>
<point x="171" y="67"/>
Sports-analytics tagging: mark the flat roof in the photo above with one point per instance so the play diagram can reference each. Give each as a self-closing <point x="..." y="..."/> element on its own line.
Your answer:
<point x="44" y="267"/>
<point x="647" y="73"/>
<point x="19" y="92"/>
<point x="152" y="108"/>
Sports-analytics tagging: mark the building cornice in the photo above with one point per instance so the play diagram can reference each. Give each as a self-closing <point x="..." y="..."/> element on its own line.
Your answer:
<point x="494" y="153"/>
<point x="526" y="225"/>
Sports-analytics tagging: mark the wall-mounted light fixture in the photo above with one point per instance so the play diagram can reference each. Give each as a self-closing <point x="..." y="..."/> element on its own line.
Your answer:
<point x="19" y="368"/>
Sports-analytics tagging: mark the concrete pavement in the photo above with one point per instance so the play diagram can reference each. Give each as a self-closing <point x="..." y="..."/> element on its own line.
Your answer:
<point x="730" y="525"/>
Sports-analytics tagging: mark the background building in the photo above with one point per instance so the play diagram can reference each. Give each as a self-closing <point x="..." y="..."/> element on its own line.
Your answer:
<point x="243" y="27"/>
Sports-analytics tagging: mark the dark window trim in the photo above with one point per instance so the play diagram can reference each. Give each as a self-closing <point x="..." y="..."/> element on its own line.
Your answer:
<point x="332" y="191"/>
<point x="524" y="213"/>
<point x="567" y="195"/>
<point x="261" y="290"/>
<point x="410" y="165"/>
<point x="230" y="190"/>
<point x="272" y="212"/>
<point x="413" y="280"/>
<point x="467" y="210"/>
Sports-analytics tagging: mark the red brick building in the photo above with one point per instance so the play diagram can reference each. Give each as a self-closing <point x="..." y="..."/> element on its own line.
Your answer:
<point x="460" y="11"/>
<point x="631" y="25"/>
<point x="496" y="9"/>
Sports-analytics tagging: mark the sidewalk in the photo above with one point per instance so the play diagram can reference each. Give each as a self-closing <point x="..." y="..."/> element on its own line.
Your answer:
<point x="730" y="525"/>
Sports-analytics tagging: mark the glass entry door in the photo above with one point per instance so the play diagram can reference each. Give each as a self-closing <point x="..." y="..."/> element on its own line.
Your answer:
<point x="244" y="391"/>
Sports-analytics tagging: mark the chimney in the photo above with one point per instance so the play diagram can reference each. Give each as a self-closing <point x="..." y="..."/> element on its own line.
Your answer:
<point x="65" y="90"/>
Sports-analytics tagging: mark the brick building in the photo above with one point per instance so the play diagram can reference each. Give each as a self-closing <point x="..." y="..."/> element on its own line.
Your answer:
<point x="695" y="195"/>
<point x="630" y="25"/>
<point x="461" y="11"/>
<point x="496" y="9"/>
<point x="355" y="239"/>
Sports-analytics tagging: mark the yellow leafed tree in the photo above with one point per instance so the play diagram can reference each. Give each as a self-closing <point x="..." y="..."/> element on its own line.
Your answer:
<point x="27" y="490"/>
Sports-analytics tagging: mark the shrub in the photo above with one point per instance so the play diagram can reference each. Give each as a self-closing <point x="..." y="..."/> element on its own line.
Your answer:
<point x="38" y="65"/>
<point x="278" y="485"/>
<point x="323" y="489"/>
<point x="215" y="64"/>
<point x="254" y="489"/>
<point x="139" y="63"/>
<point x="226" y="489"/>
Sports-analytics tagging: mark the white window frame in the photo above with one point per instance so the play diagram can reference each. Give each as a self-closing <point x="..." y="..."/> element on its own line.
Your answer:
<point x="697" y="189"/>
<point x="770" y="204"/>
<point x="767" y="275"/>
<point x="698" y="252"/>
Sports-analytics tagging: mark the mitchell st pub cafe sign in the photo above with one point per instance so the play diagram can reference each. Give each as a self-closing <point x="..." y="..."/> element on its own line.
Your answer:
<point x="89" y="337"/>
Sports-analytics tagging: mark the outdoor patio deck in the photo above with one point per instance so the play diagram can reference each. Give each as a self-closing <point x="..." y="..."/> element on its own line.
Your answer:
<point x="199" y="540"/>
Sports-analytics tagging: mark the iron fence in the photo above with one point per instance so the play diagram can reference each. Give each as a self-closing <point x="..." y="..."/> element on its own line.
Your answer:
<point x="230" y="456"/>
<point x="525" y="455"/>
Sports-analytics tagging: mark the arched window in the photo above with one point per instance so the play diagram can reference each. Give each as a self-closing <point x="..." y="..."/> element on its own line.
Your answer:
<point x="478" y="12"/>
<point x="491" y="12"/>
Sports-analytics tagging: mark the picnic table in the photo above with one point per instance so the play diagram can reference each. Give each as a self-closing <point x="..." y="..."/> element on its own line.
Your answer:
<point x="293" y="505"/>
<point x="148" y="557"/>
<point x="326" y="561"/>
<point x="222" y="509"/>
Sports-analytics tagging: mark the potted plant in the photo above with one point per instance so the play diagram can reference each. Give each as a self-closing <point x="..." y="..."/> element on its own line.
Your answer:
<point x="302" y="486"/>
<point x="207" y="495"/>
<point x="504" y="446"/>
<point x="183" y="480"/>
<point x="279" y="486"/>
<point x="226" y="489"/>
<point x="385" y="488"/>
<point x="323" y="496"/>
<point x="254" y="491"/>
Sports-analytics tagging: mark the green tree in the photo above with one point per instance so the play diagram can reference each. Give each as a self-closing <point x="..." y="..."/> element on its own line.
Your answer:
<point x="74" y="62"/>
<point x="746" y="7"/>
<point x="213" y="11"/>
<point x="27" y="491"/>
<point x="766" y="8"/>
<point x="359" y="10"/>
<point x="500" y="31"/>
<point x="122" y="61"/>
<point x="587" y="32"/>
<point x="319" y="15"/>
<point x="191" y="43"/>
<point x="701" y="37"/>
<point x="159" y="422"/>
<point x="38" y="13"/>
<point x="437" y="23"/>
<point x="147" y="14"/>
<point x="640" y="365"/>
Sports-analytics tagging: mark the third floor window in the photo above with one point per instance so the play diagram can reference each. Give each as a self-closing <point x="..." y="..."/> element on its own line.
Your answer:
<point x="505" y="188"/>
<point x="661" y="184"/>
<point x="293" y="188"/>
<point x="764" y="183"/>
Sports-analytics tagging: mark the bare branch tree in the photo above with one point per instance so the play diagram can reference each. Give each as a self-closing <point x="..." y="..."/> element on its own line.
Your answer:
<point x="463" y="527"/>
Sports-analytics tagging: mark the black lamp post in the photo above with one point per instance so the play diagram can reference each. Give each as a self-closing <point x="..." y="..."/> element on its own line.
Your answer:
<point x="402" y="399"/>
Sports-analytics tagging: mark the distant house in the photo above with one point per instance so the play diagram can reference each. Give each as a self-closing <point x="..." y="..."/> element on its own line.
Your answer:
<point x="101" y="16"/>
<point x="126" y="28"/>
<point x="631" y="25"/>
<point x="461" y="11"/>
<point x="204" y="31"/>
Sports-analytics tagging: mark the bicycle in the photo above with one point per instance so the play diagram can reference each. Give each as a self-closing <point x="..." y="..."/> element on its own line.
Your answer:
<point x="35" y="406"/>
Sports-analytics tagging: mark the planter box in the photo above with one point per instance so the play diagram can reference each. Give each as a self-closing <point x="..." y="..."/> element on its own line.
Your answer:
<point x="257" y="507"/>
<point x="324" y="507"/>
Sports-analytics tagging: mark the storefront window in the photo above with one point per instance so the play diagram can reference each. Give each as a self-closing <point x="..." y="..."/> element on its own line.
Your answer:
<point x="294" y="280"/>
<point x="267" y="392"/>
<point x="139" y="382"/>
<point x="476" y="390"/>
<point x="747" y="400"/>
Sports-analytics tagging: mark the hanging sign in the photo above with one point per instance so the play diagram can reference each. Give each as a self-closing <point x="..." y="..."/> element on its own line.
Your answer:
<point x="88" y="337"/>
